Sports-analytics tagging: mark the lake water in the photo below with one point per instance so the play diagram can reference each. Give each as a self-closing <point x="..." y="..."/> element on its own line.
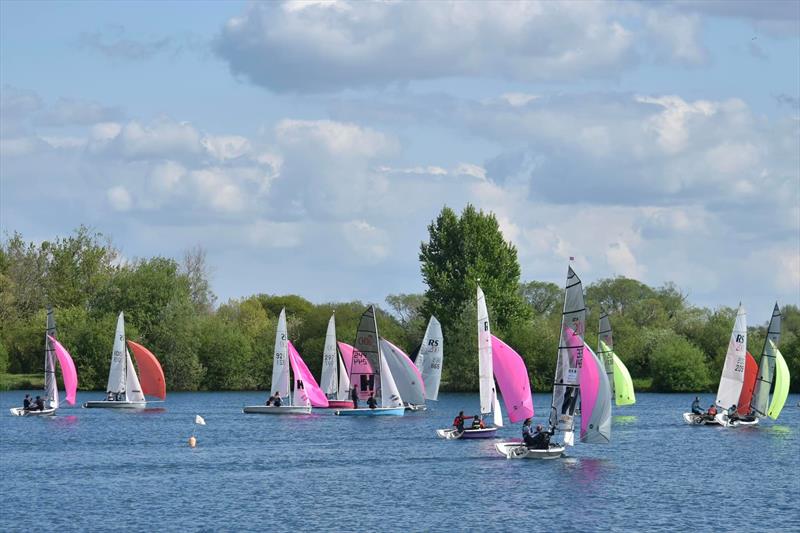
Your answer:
<point x="133" y="471"/>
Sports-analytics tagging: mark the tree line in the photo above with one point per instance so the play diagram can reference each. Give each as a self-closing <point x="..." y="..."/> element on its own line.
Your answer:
<point x="666" y="343"/>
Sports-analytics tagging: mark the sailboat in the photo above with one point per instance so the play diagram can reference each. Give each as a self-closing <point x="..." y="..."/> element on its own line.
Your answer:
<point x="430" y="357"/>
<point x="53" y="350"/>
<point x="772" y="371"/>
<point x="618" y="376"/>
<point x="406" y="376"/>
<point x="125" y="388"/>
<point x="304" y="392"/>
<point x="334" y="380"/>
<point x="370" y="374"/>
<point x="488" y="394"/>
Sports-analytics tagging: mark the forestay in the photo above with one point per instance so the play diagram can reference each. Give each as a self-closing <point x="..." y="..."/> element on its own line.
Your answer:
<point x="280" y="361"/>
<point x="431" y="357"/>
<point x="766" y="367"/>
<point x="50" y="381"/>
<point x="730" y="383"/>
<point x="566" y="383"/>
<point x="406" y="375"/>
<point x="512" y="378"/>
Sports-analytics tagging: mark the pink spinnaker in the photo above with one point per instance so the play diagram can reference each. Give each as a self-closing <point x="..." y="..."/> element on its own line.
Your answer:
<point x="588" y="376"/>
<point x="301" y="372"/>
<point x="362" y="364"/>
<point x="68" y="371"/>
<point x="512" y="378"/>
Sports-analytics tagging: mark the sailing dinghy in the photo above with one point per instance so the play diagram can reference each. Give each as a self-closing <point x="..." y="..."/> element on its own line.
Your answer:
<point x="370" y="374"/>
<point x="618" y="376"/>
<point x="304" y="392"/>
<point x="488" y="393"/>
<point x="125" y="389"/>
<point x="406" y="376"/>
<point x="430" y="357"/>
<point x="771" y="371"/>
<point x="334" y="380"/>
<point x="52" y="351"/>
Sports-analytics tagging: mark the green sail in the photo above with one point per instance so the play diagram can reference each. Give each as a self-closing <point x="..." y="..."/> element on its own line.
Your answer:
<point x="781" y="385"/>
<point x="623" y="384"/>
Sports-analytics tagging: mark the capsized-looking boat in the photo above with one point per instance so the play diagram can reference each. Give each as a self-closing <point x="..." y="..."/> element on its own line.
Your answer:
<point x="53" y="350"/>
<point x="125" y="390"/>
<point x="618" y="376"/>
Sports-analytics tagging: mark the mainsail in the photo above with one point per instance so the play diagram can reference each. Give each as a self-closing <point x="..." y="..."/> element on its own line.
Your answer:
<point x="732" y="379"/>
<point x="119" y="360"/>
<point x="512" y="378"/>
<point x="50" y="381"/>
<point x="406" y="375"/>
<point x="595" y="400"/>
<point x="566" y="383"/>
<point x="68" y="371"/>
<point x="366" y="366"/>
<point x="280" y="361"/>
<point x="430" y="358"/>
<point x="766" y="368"/>
<point x="485" y="371"/>
<point x="327" y="379"/>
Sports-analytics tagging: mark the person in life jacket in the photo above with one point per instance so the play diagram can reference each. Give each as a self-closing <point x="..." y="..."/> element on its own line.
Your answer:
<point x="458" y="421"/>
<point x="477" y="423"/>
<point x="696" y="409"/>
<point x="712" y="412"/>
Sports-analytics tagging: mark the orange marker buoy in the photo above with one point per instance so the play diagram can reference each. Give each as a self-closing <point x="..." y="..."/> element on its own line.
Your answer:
<point x="192" y="442"/>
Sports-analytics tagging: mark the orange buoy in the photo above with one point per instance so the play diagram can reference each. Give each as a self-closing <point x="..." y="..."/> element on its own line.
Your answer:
<point x="192" y="442"/>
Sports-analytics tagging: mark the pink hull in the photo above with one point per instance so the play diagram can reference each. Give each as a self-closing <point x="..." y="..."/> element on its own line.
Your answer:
<point x="340" y="404"/>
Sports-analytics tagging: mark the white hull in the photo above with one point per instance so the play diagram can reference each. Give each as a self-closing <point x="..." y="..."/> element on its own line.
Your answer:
<point x="377" y="411"/>
<point x="698" y="420"/>
<point x="518" y="450"/>
<point x="272" y="410"/>
<point x="722" y="420"/>
<point x="105" y="404"/>
<point x="19" y="411"/>
<point x="450" y="434"/>
<point x="412" y="407"/>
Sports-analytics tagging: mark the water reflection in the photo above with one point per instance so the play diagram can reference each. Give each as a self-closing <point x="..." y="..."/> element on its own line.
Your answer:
<point x="586" y="470"/>
<point x="65" y="421"/>
<point x="624" y="420"/>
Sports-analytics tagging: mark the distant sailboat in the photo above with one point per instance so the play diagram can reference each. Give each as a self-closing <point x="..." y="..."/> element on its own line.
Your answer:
<point x="772" y="371"/>
<point x="430" y="358"/>
<point x="334" y="380"/>
<point x="370" y="374"/>
<point x="304" y="392"/>
<point x="52" y="351"/>
<point x="125" y="390"/>
<point x="406" y="376"/>
<point x="618" y="376"/>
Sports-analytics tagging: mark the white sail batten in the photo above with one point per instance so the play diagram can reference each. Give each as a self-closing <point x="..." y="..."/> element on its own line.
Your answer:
<point x="430" y="358"/>
<point x="280" y="361"/>
<point x="327" y="380"/>
<point x="485" y="369"/>
<point x="732" y="379"/>
<point x="119" y="360"/>
<point x="50" y="381"/>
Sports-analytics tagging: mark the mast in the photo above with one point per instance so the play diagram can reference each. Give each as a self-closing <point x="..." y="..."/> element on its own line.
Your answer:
<point x="50" y="382"/>
<point x="566" y="385"/>
<point x="766" y="368"/>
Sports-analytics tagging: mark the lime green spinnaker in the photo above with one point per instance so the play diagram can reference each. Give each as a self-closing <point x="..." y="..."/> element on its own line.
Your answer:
<point x="623" y="384"/>
<point x="781" y="385"/>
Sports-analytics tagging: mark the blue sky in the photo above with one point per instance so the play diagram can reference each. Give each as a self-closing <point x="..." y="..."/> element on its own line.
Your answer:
<point x="307" y="145"/>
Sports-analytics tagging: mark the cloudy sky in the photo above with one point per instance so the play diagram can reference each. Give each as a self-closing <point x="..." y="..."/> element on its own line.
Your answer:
<point x="307" y="145"/>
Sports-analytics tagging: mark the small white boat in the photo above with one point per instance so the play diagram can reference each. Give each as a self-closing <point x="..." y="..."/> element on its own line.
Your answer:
<point x="20" y="411"/>
<point x="282" y="410"/>
<point x="366" y="411"/>
<point x="722" y="420"/>
<point x="698" y="420"/>
<point x="518" y="450"/>
<point x="480" y="433"/>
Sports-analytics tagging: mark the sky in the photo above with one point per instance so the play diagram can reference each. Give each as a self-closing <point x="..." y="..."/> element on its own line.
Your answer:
<point x="306" y="146"/>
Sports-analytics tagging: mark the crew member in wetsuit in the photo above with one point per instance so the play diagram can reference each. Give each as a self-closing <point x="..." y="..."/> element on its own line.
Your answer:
<point x="458" y="421"/>
<point x="372" y="403"/>
<point x="696" y="406"/>
<point x="277" y="402"/>
<point x="39" y="403"/>
<point x="354" y="397"/>
<point x="732" y="414"/>
<point x="26" y="403"/>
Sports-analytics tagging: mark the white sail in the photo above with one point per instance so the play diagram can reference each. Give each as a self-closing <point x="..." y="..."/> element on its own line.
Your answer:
<point x="344" y="381"/>
<point x="50" y="381"/>
<point x="570" y="358"/>
<point x="430" y="358"/>
<point x="766" y="367"/>
<point x="327" y="380"/>
<point x="119" y="363"/>
<point x="280" y="360"/>
<point x="732" y="379"/>
<point x="390" y="396"/>
<point x="133" y="389"/>
<point x="405" y="375"/>
<point x="497" y="412"/>
<point x="485" y="370"/>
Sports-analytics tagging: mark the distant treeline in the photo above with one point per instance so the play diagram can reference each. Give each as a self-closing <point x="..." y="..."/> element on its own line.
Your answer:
<point x="667" y="344"/>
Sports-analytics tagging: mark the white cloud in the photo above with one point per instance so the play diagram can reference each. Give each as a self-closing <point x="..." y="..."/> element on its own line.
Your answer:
<point x="119" y="198"/>
<point x="162" y="138"/>
<point x="366" y="241"/>
<point x="622" y="260"/>
<point x="226" y="146"/>
<point x="337" y="138"/>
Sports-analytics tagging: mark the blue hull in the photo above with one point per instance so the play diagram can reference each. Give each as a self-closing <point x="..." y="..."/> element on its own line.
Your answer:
<point x="378" y="411"/>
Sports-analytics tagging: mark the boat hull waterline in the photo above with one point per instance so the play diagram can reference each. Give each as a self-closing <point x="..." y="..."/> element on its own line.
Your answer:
<point x="722" y="420"/>
<point x="272" y="410"/>
<point x="450" y="434"/>
<point x="21" y="411"/>
<point x="699" y="420"/>
<point x="105" y="404"/>
<point x="518" y="450"/>
<point x="378" y="411"/>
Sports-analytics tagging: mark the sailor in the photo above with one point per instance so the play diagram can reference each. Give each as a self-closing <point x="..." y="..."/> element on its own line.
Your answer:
<point x="732" y="414"/>
<point x="354" y="397"/>
<point x="696" y="406"/>
<point x="712" y="412"/>
<point x="527" y="433"/>
<point x="458" y="422"/>
<point x="270" y="400"/>
<point x="26" y="403"/>
<point x="371" y="402"/>
<point x="477" y="423"/>
<point x="39" y="404"/>
<point x="276" y="401"/>
<point x="110" y="396"/>
<point x="541" y="439"/>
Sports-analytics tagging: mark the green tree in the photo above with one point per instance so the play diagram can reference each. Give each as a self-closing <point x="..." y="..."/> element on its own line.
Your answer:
<point x="677" y="365"/>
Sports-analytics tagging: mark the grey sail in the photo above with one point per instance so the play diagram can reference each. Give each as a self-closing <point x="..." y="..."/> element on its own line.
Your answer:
<point x="366" y="366"/>
<point x="430" y="358"/>
<point x="406" y="379"/>
<point x="605" y="348"/>
<point x="766" y="367"/>
<point x="597" y="429"/>
<point x="566" y="385"/>
<point x="50" y="383"/>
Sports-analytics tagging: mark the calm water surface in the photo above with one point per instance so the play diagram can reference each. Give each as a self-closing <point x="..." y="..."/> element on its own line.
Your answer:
<point x="133" y="471"/>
